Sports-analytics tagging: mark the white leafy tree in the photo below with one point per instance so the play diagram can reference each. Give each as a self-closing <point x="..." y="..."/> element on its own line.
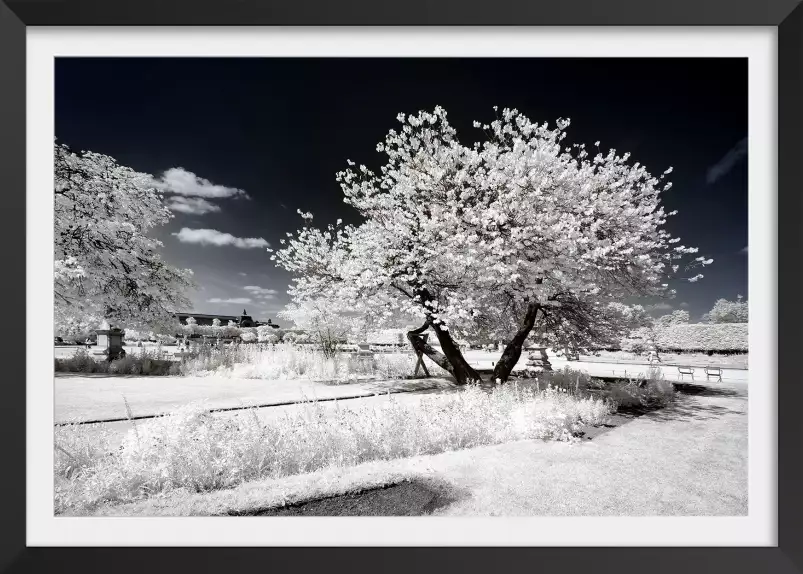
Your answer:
<point x="676" y="317"/>
<point x="725" y="311"/>
<point x="512" y="232"/>
<point x="215" y="330"/>
<point x="327" y="322"/>
<point x="231" y="330"/>
<point x="190" y="327"/>
<point x="106" y="264"/>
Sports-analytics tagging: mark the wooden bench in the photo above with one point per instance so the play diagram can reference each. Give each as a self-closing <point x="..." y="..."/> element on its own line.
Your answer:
<point x="713" y="372"/>
<point x="683" y="371"/>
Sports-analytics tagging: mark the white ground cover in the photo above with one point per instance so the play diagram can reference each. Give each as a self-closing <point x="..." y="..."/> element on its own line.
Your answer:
<point x="194" y="451"/>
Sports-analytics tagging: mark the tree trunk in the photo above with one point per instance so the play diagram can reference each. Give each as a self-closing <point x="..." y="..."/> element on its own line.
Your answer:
<point x="512" y="352"/>
<point x="451" y="359"/>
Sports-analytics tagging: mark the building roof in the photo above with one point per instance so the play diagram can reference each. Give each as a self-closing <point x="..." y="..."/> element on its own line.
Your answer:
<point x="221" y="317"/>
<point x="206" y="316"/>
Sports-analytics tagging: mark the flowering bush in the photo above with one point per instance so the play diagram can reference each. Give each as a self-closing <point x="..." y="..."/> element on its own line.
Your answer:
<point x="194" y="450"/>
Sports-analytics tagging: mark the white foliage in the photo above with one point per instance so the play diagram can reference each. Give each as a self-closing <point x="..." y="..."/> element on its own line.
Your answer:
<point x="725" y="311"/>
<point x="106" y="264"/>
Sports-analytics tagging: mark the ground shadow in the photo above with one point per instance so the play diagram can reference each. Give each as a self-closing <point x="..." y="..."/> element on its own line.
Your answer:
<point x="684" y="408"/>
<point x="707" y="390"/>
<point x="417" y="497"/>
<point x="412" y="385"/>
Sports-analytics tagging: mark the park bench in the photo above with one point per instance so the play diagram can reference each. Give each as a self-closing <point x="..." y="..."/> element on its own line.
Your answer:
<point x="713" y="372"/>
<point x="683" y="371"/>
<point x="363" y="351"/>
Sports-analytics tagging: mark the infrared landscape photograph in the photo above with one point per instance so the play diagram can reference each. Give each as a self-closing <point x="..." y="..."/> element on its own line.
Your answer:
<point x="400" y="287"/>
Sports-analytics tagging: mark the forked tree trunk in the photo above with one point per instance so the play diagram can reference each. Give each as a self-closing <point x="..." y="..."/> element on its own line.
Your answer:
<point x="451" y="359"/>
<point x="512" y="352"/>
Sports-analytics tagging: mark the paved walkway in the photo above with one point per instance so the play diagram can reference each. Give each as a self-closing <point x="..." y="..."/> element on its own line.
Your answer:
<point x="93" y="397"/>
<point x="687" y="460"/>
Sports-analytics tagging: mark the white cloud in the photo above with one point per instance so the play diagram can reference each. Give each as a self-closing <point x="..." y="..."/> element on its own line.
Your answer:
<point x="218" y="238"/>
<point x="260" y="292"/>
<point x="182" y="182"/>
<point x="659" y="307"/>
<point x="232" y="301"/>
<point x="743" y="250"/>
<point x="191" y="205"/>
<point x="684" y="305"/>
<point x="728" y="161"/>
<point x="243" y="274"/>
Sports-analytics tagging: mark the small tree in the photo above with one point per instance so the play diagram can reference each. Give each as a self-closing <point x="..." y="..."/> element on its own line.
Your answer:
<point x="323" y="323"/>
<point x="190" y="327"/>
<point x="231" y="330"/>
<point x="676" y="317"/>
<point x="725" y="311"/>
<point x="248" y="335"/>
<point x="215" y="330"/>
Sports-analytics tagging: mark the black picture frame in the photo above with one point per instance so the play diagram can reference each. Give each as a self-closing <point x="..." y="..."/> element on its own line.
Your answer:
<point x="786" y="15"/>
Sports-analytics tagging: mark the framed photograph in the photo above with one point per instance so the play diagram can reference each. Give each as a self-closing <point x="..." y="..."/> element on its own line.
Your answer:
<point x="338" y="282"/>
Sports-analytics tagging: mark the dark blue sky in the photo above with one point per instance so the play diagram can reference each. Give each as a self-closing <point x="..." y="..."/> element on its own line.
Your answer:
<point x="279" y="129"/>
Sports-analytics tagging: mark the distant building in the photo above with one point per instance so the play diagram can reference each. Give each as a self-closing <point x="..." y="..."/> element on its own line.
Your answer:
<point x="244" y="320"/>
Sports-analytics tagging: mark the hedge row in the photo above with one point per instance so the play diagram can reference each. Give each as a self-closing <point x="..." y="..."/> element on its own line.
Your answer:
<point x="703" y="337"/>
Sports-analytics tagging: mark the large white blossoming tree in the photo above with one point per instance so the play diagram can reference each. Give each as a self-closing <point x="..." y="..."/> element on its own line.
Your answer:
<point x="514" y="233"/>
<point x="107" y="267"/>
